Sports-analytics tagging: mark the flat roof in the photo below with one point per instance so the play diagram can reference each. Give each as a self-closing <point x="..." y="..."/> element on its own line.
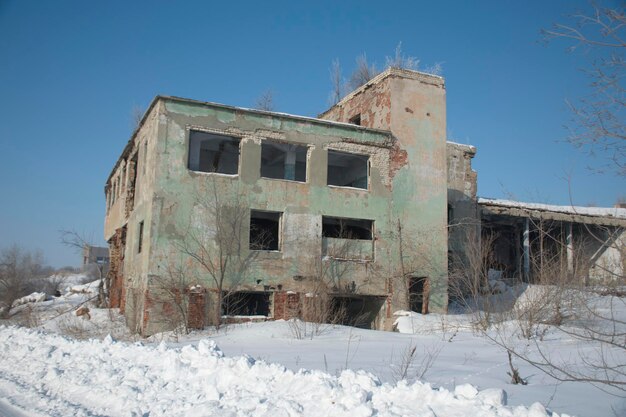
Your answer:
<point x="613" y="215"/>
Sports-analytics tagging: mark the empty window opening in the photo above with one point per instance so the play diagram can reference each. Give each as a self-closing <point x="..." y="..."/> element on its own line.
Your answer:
<point x="340" y="228"/>
<point x="243" y="303"/>
<point x="356" y="119"/>
<point x="133" y="185"/>
<point x="145" y="158"/>
<point x="140" y="238"/>
<point x="283" y="161"/>
<point x="418" y="294"/>
<point x="264" y="230"/>
<point x="209" y="152"/>
<point x="356" y="311"/>
<point x="347" y="169"/>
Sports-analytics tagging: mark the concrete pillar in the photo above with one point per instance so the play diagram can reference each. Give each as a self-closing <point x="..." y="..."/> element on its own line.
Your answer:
<point x="290" y="163"/>
<point x="570" y="248"/>
<point x="527" y="250"/>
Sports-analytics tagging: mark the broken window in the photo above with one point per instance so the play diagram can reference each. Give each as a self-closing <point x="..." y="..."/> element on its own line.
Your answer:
<point x="355" y="120"/>
<point x="283" y="161"/>
<point x="418" y="294"/>
<point x="209" y="152"/>
<point x="243" y="303"/>
<point x="347" y="169"/>
<point x="340" y="228"/>
<point x="140" y="237"/>
<point x="264" y="230"/>
<point x="357" y="311"/>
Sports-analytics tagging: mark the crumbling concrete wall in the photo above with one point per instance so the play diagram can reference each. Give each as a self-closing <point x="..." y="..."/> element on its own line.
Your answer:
<point x="183" y="199"/>
<point x="116" y="270"/>
<point x="129" y="193"/>
<point x="406" y="198"/>
<point x="463" y="218"/>
<point x="412" y="106"/>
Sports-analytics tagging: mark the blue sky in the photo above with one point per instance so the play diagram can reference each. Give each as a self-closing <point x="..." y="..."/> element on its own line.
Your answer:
<point x="71" y="73"/>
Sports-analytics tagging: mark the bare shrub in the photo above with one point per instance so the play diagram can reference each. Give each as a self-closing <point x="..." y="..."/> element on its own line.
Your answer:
<point x="79" y="242"/>
<point x="214" y="246"/>
<point x="514" y="373"/>
<point x="400" y="61"/>
<point x="560" y="300"/>
<point x="411" y="365"/>
<point x="266" y="101"/>
<point x="18" y="268"/>
<point x="319" y="314"/>
<point x="73" y="326"/>
<point x="338" y="83"/>
<point x="469" y="280"/>
<point x="363" y="72"/>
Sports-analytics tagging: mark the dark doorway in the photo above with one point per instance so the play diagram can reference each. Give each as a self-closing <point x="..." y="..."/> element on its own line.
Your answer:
<point x="244" y="303"/>
<point x="418" y="294"/>
<point x="356" y="311"/>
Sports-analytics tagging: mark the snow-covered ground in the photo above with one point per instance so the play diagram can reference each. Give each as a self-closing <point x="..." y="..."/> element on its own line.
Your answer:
<point x="264" y="369"/>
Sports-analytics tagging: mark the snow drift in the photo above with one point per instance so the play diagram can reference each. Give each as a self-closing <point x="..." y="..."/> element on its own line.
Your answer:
<point x="52" y="375"/>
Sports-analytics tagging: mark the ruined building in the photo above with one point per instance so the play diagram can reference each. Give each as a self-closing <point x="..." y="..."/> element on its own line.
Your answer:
<point x="353" y="211"/>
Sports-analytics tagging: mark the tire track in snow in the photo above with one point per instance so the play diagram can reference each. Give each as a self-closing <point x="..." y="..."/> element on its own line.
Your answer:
<point x="19" y="399"/>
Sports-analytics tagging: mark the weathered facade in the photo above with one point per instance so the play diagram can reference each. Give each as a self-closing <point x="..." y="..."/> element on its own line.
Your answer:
<point x="354" y="210"/>
<point x="284" y="214"/>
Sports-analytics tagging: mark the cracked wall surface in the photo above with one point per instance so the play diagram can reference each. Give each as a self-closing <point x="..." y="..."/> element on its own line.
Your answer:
<point x="403" y="135"/>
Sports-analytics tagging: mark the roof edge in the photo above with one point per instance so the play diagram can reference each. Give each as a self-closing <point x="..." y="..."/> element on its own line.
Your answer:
<point x="398" y="72"/>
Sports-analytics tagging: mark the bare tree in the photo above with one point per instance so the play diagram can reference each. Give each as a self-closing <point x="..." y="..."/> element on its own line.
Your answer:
<point x="136" y="115"/>
<point x="598" y="120"/>
<point x="326" y="279"/>
<point x="561" y="301"/>
<point x="363" y="72"/>
<point x="266" y="101"/>
<point x="400" y="61"/>
<point x="18" y="267"/>
<point x="338" y="84"/>
<point x="217" y="242"/>
<point x="172" y="291"/>
<point x="79" y="243"/>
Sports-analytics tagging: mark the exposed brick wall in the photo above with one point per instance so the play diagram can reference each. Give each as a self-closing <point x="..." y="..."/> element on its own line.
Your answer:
<point x="196" y="308"/>
<point x="117" y="246"/>
<point x="130" y="190"/>
<point x="286" y="305"/>
<point x="147" y="306"/>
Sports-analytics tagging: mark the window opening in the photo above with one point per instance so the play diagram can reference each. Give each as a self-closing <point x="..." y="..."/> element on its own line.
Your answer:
<point x="140" y="237"/>
<point x="264" y="230"/>
<point x="356" y="311"/>
<point x="209" y="152"/>
<point x="355" y="120"/>
<point x="243" y="303"/>
<point x="145" y="157"/>
<point x="347" y="169"/>
<point x="336" y="227"/>
<point x="134" y="185"/>
<point x="418" y="294"/>
<point x="283" y="161"/>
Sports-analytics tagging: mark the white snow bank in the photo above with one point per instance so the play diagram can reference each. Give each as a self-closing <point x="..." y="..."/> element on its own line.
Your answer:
<point x="118" y="379"/>
<point x="619" y="213"/>
<point x="88" y="288"/>
<point x="35" y="297"/>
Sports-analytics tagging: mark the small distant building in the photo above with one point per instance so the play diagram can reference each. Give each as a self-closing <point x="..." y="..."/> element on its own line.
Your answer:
<point x="95" y="255"/>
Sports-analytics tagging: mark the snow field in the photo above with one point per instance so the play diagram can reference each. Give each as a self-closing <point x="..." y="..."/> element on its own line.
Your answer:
<point x="122" y="379"/>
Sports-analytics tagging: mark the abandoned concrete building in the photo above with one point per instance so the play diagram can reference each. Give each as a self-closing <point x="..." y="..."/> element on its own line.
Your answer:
<point x="361" y="207"/>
